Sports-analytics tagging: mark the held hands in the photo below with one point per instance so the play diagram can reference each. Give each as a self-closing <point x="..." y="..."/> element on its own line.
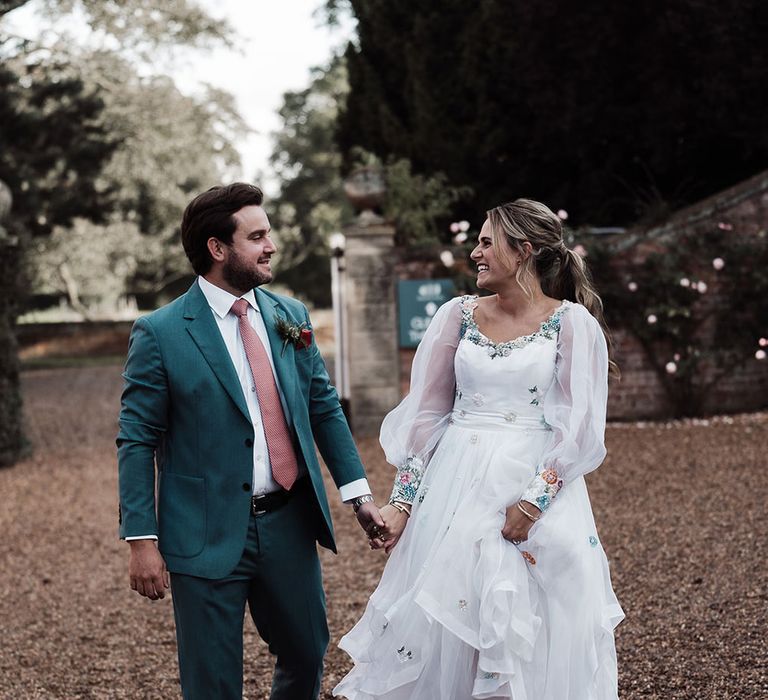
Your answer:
<point x="147" y="571"/>
<point x="370" y="519"/>
<point x="518" y="522"/>
<point x="395" y="520"/>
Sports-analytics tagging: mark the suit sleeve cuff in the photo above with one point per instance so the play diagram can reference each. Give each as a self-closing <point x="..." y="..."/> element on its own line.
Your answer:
<point x="354" y="489"/>
<point x="140" y="537"/>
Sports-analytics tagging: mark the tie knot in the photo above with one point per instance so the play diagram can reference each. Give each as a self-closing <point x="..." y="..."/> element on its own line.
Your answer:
<point x="240" y="307"/>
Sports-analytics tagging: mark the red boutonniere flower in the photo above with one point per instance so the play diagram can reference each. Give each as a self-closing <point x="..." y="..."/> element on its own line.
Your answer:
<point x="298" y="335"/>
<point x="305" y="340"/>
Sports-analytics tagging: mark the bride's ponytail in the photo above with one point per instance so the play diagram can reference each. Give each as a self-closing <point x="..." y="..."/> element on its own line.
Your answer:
<point x="573" y="280"/>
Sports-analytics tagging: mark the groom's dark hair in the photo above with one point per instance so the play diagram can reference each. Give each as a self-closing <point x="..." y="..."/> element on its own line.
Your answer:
<point x="209" y="215"/>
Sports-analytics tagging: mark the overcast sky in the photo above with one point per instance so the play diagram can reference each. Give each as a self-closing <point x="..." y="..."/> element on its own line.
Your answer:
<point x="279" y="42"/>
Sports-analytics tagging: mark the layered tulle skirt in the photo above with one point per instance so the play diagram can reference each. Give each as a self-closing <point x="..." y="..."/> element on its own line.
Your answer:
<point x="461" y="613"/>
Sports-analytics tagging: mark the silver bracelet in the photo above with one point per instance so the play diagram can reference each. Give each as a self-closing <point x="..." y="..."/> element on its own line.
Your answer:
<point x="368" y="498"/>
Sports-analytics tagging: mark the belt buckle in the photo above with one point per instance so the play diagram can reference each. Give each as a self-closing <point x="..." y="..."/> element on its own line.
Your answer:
<point x="254" y="499"/>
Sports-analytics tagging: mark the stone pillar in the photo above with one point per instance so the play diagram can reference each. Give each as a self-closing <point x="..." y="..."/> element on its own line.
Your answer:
<point x="374" y="371"/>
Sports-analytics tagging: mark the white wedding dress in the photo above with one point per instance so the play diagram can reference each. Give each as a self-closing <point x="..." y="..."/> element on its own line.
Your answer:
<point x="460" y="612"/>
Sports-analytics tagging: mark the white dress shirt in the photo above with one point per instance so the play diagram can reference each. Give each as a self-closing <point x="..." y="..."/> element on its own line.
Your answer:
<point x="221" y="302"/>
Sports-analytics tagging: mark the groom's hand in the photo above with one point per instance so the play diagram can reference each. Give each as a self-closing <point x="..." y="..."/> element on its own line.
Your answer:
<point x="371" y="521"/>
<point x="147" y="571"/>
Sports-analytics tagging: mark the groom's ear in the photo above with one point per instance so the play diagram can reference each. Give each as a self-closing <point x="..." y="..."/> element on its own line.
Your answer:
<point x="216" y="249"/>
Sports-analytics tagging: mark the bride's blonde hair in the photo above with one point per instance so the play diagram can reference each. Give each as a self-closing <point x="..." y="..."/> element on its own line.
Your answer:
<point x="562" y="272"/>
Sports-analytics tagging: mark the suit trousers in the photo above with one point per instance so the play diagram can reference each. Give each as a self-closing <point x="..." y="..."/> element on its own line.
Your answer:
<point x="279" y="578"/>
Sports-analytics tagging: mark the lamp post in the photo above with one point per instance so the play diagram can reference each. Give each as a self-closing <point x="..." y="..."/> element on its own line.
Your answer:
<point x="337" y="243"/>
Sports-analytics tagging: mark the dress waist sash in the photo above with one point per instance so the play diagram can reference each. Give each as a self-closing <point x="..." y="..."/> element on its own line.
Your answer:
<point x="491" y="420"/>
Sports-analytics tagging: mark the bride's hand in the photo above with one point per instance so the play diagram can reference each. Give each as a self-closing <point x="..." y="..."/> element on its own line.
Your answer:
<point x="394" y="524"/>
<point x="517" y="525"/>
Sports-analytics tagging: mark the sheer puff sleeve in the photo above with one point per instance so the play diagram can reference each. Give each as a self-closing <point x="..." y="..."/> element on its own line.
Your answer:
<point x="410" y="431"/>
<point x="574" y="407"/>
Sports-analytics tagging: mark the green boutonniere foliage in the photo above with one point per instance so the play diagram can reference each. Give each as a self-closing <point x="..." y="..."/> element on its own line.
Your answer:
<point x="298" y="334"/>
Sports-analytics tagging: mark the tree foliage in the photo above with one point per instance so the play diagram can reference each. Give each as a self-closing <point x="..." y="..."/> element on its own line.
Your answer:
<point x="74" y="260"/>
<point x="311" y="204"/>
<point x="617" y="112"/>
<point x="416" y="202"/>
<point x="53" y="142"/>
<point x="96" y="135"/>
<point x="172" y="146"/>
<point x="143" y="25"/>
<point x="78" y="144"/>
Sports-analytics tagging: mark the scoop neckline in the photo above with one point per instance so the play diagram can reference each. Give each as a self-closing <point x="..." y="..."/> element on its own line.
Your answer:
<point x="520" y="338"/>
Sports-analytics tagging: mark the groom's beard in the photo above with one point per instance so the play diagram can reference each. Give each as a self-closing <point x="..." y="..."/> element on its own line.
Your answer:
<point x="238" y="275"/>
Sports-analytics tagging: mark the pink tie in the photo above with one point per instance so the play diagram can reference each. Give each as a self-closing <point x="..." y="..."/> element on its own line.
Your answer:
<point x="281" y="454"/>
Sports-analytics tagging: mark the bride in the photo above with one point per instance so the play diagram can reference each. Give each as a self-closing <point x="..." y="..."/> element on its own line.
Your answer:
<point x="497" y="585"/>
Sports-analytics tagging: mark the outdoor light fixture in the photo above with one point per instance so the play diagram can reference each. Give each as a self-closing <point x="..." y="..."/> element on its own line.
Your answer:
<point x="337" y="243"/>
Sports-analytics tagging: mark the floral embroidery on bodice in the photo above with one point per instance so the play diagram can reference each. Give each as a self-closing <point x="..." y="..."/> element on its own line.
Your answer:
<point x="469" y="330"/>
<point x="505" y="381"/>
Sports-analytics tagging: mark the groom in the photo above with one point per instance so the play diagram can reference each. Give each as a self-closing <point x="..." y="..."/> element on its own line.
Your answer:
<point x="226" y="392"/>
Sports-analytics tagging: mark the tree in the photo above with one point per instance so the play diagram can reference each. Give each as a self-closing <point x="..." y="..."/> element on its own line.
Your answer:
<point x="12" y="442"/>
<point x="616" y="112"/>
<point x="143" y="145"/>
<point x="171" y="147"/>
<point x="76" y="259"/>
<point x="51" y="149"/>
<point x="53" y="142"/>
<point x="58" y="152"/>
<point x="141" y="26"/>
<point x="311" y="204"/>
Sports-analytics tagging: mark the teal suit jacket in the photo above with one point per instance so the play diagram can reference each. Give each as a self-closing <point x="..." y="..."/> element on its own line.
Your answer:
<point x="183" y="410"/>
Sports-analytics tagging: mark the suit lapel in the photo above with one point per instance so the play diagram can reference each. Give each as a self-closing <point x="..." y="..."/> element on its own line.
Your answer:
<point x="202" y="327"/>
<point x="282" y="357"/>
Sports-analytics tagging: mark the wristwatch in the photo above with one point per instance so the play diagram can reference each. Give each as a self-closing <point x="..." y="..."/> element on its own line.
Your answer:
<point x="360" y="500"/>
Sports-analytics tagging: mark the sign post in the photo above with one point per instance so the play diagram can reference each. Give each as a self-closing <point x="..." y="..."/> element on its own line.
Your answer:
<point x="417" y="303"/>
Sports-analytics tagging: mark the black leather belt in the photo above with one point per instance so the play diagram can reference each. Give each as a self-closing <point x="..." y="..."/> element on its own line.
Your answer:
<point x="267" y="502"/>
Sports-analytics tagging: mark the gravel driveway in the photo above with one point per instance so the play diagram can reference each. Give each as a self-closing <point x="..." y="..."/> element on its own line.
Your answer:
<point x="681" y="508"/>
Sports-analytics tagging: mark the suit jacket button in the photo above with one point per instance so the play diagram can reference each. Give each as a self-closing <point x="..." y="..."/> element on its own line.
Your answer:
<point x="248" y="442"/>
<point x="246" y="487"/>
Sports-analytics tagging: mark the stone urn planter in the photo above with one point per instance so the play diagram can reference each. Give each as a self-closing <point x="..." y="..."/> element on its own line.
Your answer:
<point x="365" y="188"/>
